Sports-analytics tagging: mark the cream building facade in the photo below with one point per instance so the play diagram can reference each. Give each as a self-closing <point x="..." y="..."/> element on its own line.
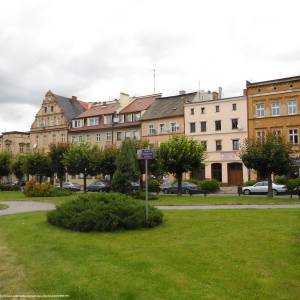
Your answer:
<point x="15" y="142"/>
<point x="221" y="125"/>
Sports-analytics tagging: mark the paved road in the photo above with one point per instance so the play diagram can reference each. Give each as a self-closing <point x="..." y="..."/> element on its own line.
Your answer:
<point x="24" y="206"/>
<point x="232" y="206"/>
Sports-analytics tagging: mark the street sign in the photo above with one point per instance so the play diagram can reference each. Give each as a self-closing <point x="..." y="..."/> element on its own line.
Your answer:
<point x="146" y="154"/>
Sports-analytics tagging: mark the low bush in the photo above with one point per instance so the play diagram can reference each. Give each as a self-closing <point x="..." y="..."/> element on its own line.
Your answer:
<point x="195" y="181"/>
<point x="59" y="192"/>
<point x="153" y="186"/>
<point x="33" y="189"/>
<point x="249" y="182"/>
<point x="210" y="185"/>
<point x="104" y="212"/>
<point x="141" y="195"/>
<point x="7" y="187"/>
<point x="293" y="183"/>
<point x="280" y="180"/>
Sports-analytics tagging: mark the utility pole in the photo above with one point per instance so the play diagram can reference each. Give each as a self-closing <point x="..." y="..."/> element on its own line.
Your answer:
<point x="153" y="80"/>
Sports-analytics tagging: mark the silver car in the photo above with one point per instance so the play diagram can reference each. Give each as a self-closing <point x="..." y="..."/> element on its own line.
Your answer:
<point x="261" y="187"/>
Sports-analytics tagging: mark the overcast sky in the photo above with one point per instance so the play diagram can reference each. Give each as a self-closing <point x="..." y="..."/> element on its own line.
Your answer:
<point x="96" y="49"/>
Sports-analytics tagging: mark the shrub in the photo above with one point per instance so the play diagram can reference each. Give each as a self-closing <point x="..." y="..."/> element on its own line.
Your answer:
<point x="195" y="181"/>
<point x="6" y="187"/>
<point x="280" y="180"/>
<point x="33" y="189"/>
<point x="210" y="185"/>
<point x="141" y="195"/>
<point x="249" y="182"/>
<point x="103" y="212"/>
<point x="59" y="192"/>
<point x="293" y="183"/>
<point x="153" y="185"/>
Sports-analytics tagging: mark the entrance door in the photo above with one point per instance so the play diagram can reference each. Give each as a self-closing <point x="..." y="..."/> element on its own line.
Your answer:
<point x="216" y="171"/>
<point x="235" y="173"/>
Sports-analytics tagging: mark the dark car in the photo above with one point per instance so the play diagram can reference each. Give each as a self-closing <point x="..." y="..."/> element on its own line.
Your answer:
<point x="98" y="186"/>
<point x="187" y="188"/>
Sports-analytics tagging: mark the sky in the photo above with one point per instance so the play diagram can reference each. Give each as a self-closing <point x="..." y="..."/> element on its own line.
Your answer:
<point x="96" y="49"/>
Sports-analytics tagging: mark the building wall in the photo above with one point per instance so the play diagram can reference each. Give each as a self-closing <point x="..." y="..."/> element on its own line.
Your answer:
<point x="161" y="137"/>
<point x="15" y="142"/>
<point x="226" y="135"/>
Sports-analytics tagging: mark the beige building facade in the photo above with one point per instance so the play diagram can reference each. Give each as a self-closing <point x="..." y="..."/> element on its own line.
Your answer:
<point x="221" y="126"/>
<point x="15" y="142"/>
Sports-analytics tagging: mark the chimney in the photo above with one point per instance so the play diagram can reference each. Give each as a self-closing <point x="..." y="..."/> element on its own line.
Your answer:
<point x="124" y="99"/>
<point x="182" y="92"/>
<point x="220" y="93"/>
<point x="74" y="98"/>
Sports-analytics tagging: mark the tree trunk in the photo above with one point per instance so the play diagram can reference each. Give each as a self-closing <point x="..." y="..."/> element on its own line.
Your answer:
<point x="60" y="182"/>
<point x="179" y="180"/>
<point x="270" y="189"/>
<point x="84" y="182"/>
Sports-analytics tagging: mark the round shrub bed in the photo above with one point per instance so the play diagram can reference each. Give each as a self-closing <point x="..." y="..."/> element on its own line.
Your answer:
<point x="104" y="212"/>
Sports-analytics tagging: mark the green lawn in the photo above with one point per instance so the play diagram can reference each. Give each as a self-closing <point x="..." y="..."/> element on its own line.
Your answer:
<point x="232" y="254"/>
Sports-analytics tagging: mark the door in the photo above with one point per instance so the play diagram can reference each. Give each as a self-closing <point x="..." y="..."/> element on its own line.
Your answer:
<point x="216" y="171"/>
<point x="235" y="173"/>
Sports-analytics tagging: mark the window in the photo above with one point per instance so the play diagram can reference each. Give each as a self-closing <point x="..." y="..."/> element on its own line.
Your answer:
<point x="162" y="128"/>
<point x="98" y="137"/>
<point x="235" y="123"/>
<point x="235" y="144"/>
<point x="233" y="106"/>
<point x="192" y="127"/>
<point x="121" y="118"/>
<point x="275" y="108"/>
<point x="152" y="131"/>
<point x="127" y="135"/>
<point x="204" y="143"/>
<point x="88" y="138"/>
<point x="37" y="139"/>
<point x="218" y="125"/>
<point x="108" y="119"/>
<point x="260" y="136"/>
<point x="119" y="136"/>
<point x="73" y="139"/>
<point x="137" y="116"/>
<point x="80" y="140"/>
<point x="21" y="148"/>
<point x="108" y="136"/>
<point x="93" y="121"/>
<point x="174" y="127"/>
<point x="202" y="110"/>
<point x="52" y="108"/>
<point x="45" y="109"/>
<point x="27" y="148"/>
<point x="128" y="118"/>
<point x="192" y="111"/>
<point x="62" y="137"/>
<point x="293" y="136"/>
<point x="260" y="109"/>
<point x="53" y="138"/>
<point x="292" y="107"/>
<point x="77" y="123"/>
<point x="136" y="135"/>
<point x="203" y="126"/>
<point x="277" y="133"/>
<point x="217" y="108"/>
<point x="45" y="139"/>
<point x="218" y="145"/>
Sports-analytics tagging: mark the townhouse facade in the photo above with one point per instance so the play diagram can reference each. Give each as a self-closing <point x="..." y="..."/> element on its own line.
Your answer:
<point x="274" y="106"/>
<point x="51" y="124"/>
<point x="221" y="126"/>
<point x="15" y="142"/>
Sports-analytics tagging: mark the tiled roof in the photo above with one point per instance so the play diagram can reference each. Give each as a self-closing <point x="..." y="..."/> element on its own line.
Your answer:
<point x="168" y="106"/>
<point x="70" y="107"/>
<point x="273" y="81"/>
<point x="139" y="104"/>
<point x="98" y="110"/>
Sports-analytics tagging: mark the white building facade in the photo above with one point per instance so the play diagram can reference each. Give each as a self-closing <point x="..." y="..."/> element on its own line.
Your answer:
<point x="221" y="125"/>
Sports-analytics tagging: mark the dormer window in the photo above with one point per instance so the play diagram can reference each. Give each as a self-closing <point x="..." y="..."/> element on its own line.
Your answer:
<point x="129" y="117"/>
<point x="121" y="118"/>
<point x="107" y="119"/>
<point x="137" y="116"/>
<point x="77" y="123"/>
<point x="93" y="121"/>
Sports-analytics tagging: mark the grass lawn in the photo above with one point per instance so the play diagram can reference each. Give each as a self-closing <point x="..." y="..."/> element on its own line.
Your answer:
<point x="234" y="254"/>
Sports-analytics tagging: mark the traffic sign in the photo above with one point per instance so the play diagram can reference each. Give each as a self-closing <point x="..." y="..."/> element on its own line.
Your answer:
<point x="146" y="154"/>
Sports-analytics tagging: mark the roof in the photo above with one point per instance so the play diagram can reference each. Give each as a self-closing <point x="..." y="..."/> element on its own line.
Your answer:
<point x="70" y="107"/>
<point x="273" y="81"/>
<point x="140" y="104"/>
<point x="103" y="109"/>
<point x="168" y="106"/>
<point x="16" y="132"/>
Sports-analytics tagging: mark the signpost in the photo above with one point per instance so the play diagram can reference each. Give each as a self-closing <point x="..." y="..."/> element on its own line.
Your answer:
<point x="146" y="154"/>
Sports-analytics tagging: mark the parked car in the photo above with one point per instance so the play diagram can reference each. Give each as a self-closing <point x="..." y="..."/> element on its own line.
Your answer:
<point x="98" y="186"/>
<point x="261" y="187"/>
<point x="74" y="187"/>
<point x="19" y="183"/>
<point x="187" y="188"/>
<point x="135" y="186"/>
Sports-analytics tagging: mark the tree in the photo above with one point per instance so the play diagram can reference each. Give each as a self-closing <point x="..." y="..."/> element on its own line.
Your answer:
<point x="56" y="155"/>
<point x="18" y="166"/>
<point x="108" y="161"/>
<point x="127" y="168"/>
<point x="82" y="158"/>
<point x="180" y="155"/>
<point x="5" y="161"/>
<point x="38" y="164"/>
<point x="267" y="157"/>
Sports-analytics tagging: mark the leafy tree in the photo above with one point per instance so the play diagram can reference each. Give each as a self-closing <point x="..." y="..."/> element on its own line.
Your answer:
<point x="82" y="158"/>
<point x="180" y="155"/>
<point x="108" y="161"/>
<point x="56" y="155"/>
<point x="18" y="166"/>
<point x="5" y="161"/>
<point x="38" y="164"/>
<point x="267" y="157"/>
<point x="127" y="168"/>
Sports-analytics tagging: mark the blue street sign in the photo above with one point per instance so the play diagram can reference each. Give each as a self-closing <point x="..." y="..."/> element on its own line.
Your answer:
<point x="146" y="154"/>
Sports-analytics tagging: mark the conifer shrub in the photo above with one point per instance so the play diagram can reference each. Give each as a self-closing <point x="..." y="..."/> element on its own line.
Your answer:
<point x="210" y="185"/>
<point x="104" y="212"/>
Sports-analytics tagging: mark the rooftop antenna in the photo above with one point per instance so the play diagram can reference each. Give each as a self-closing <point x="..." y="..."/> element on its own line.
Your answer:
<point x="153" y="80"/>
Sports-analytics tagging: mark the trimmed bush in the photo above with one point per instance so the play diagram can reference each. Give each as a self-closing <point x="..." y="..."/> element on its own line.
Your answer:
<point x="153" y="185"/>
<point x="141" y="195"/>
<point x="210" y="185"/>
<point x="59" y="192"/>
<point x="6" y="187"/>
<point x="280" y="180"/>
<point x="293" y="183"/>
<point x="249" y="182"/>
<point x="33" y="189"/>
<point x="195" y="181"/>
<point x="104" y="212"/>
